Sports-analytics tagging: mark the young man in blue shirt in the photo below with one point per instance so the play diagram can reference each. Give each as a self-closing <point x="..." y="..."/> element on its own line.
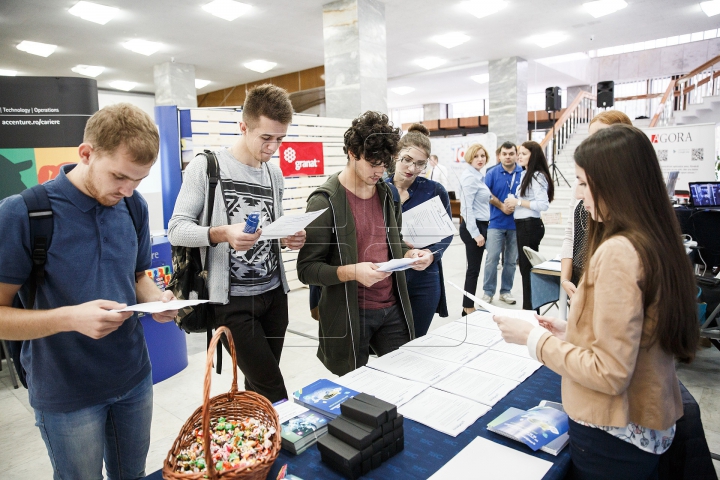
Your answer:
<point x="87" y="367"/>
<point x="501" y="180"/>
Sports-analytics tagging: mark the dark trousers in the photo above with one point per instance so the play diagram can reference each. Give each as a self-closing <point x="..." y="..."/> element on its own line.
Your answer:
<point x="424" y="291"/>
<point x="530" y="231"/>
<point x="597" y="455"/>
<point x="474" y="255"/>
<point x="258" y="326"/>
<point x="384" y="329"/>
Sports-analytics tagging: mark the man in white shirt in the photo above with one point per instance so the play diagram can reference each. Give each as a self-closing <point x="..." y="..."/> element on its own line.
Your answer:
<point x="437" y="172"/>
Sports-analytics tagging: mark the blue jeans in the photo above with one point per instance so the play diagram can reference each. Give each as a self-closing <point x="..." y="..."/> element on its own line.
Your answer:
<point x="117" y="430"/>
<point x="493" y="246"/>
<point x="424" y="292"/>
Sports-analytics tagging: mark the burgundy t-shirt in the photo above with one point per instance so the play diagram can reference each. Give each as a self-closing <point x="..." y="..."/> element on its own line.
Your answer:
<point x="372" y="247"/>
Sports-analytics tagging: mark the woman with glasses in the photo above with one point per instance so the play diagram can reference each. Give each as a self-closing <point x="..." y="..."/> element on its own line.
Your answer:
<point x="532" y="196"/>
<point x="475" y="211"/>
<point x="426" y="287"/>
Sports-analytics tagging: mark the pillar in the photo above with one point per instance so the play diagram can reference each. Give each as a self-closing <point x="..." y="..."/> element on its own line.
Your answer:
<point x="355" y="57"/>
<point x="175" y="84"/>
<point x="436" y="111"/>
<point x="508" y="99"/>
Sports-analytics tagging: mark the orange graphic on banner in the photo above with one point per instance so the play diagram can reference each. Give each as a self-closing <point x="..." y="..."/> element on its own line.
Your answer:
<point x="49" y="160"/>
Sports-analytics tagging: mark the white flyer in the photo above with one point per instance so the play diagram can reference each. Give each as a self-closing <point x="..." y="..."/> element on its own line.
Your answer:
<point x="157" y="307"/>
<point x="527" y="315"/>
<point x="289" y="225"/>
<point x="443" y="348"/>
<point x="505" y="365"/>
<point x="427" y="223"/>
<point x="479" y="319"/>
<point x="406" y="364"/>
<point x="462" y="332"/>
<point x="384" y="386"/>
<point x="512" y="348"/>
<point x="475" y="385"/>
<point x="444" y="412"/>
<point x="396" y="264"/>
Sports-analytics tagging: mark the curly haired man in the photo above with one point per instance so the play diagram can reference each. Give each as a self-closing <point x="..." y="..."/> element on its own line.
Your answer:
<point x="360" y="307"/>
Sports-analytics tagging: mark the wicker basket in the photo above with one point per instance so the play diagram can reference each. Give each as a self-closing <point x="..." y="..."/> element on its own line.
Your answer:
<point x="233" y="405"/>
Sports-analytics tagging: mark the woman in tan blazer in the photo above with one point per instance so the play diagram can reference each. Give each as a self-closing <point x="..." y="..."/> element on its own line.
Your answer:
<point x="634" y="313"/>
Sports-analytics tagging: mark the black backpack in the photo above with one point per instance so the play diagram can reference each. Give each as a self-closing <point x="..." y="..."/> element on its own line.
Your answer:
<point x="41" y="231"/>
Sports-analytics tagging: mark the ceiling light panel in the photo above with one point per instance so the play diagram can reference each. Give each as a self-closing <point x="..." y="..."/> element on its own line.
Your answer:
<point x="483" y="8"/>
<point x="201" y="83"/>
<point x="94" y="12"/>
<point x="600" y="8"/>
<point x="227" y="9"/>
<point x="482" y="78"/>
<point x="88" y="70"/>
<point x="711" y="8"/>
<point x="36" y="48"/>
<point x="260" y="66"/>
<point x="8" y="73"/>
<point x="548" y="39"/>
<point x="123" y="85"/>
<point x="402" y="90"/>
<point x="429" y="63"/>
<point x="450" y="40"/>
<point x="142" y="46"/>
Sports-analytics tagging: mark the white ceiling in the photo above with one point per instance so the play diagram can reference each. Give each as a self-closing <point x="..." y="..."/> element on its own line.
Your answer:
<point x="289" y="32"/>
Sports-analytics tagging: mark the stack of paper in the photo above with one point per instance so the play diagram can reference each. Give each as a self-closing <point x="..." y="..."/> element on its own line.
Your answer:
<point x="479" y="319"/>
<point x="476" y="385"/>
<point x="444" y="349"/>
<point x="512" y="348"/>
<point x="406" y="364"/>
<point x="384" y="386"/>
<point x="443" y="411"/>
<point x="460" y="332"/>
<point x="505" y="365"/>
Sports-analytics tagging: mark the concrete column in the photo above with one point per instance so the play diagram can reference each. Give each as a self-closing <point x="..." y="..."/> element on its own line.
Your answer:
<point x="355" y="57"/>
<point x="573" y="92"/>
<point x="435" y="111"/>
<point x="175" y="84"/>
<point x="508" y="99"/>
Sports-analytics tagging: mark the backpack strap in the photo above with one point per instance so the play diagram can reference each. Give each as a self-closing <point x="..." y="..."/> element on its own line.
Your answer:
<point x="134" y="207"/>
<point x="41" y="230"/>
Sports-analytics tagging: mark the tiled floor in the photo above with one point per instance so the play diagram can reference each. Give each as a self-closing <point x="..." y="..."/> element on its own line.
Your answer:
<point x="22" y="451"/>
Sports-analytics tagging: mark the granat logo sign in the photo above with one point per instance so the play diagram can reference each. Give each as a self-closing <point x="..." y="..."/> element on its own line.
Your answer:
<point x="302" y="158"/>
<point x="674" y="137"/>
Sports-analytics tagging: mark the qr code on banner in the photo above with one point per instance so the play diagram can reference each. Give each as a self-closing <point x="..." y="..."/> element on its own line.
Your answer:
<point x="698" y="154"/>
<point x="662" y="155"/>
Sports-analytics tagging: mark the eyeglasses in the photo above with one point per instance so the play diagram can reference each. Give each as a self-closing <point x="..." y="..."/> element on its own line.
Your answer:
<point x="419" y="165"/>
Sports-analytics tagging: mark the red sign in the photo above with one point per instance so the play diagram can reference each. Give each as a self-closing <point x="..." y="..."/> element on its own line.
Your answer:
<point x="301" y="158"/>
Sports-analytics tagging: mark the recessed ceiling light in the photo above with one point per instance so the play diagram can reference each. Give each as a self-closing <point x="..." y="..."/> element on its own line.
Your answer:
<point x="450" y="40"/>
<point x="201" y="83"/>
<point x="483" y="8"/>
<point x="123" y="85"/>
<point x="548" y="39"/>
<point x="227" y="9"/>
<point x="8" y="73"/>
<point x="711" y="8"/>
<point x="142" y="46"/>
<point x="482" y="78"/>
<point x="40" y="49"/>
<point x="429" y="63"/>
<point x="88" y="70"/>
<point x="94" y="12"/>
<point x="260" y="66"/>
<point x="601" y="8"/>
<point x="402" y="90"/>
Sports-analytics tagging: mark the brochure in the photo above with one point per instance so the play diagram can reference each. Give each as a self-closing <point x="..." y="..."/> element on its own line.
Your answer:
<point x="324" y="396"/>
<point x="538" y="427"/>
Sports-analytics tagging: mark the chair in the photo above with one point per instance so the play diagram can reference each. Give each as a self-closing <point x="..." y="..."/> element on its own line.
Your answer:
<point x="536" y="259"/>
<point x="6" y="352"/>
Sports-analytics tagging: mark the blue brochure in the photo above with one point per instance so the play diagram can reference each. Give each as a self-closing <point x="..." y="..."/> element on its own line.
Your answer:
<point x="535" y="428"/>
<point x="324" y="396"/>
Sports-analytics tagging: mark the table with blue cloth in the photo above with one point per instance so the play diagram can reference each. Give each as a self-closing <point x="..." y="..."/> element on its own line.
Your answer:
<point x="426" y="450"/>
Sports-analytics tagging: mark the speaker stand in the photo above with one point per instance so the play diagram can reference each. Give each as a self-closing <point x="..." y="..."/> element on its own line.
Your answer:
<point x="555" y="172"/>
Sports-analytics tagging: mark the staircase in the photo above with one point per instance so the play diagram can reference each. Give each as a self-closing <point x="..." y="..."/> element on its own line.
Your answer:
<point x="707" y="111"/>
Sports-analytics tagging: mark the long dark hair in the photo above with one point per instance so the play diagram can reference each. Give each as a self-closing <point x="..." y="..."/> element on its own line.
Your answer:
<point x="624" y="178"/>
<point x="537" y="163"/>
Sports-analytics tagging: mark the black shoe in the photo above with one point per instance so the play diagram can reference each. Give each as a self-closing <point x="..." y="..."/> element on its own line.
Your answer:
<point x="464" y="313"/>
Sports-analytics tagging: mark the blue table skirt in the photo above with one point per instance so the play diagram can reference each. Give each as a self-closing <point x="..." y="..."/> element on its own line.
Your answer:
<point x="544" y="289"/>
<point x="426" y="450"/>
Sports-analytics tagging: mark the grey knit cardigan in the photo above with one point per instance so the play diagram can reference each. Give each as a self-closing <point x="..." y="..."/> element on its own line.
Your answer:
<point x="189" y="224"/>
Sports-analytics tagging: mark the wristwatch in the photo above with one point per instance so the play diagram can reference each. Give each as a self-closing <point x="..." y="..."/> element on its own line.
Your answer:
<point x="519" y="204"/>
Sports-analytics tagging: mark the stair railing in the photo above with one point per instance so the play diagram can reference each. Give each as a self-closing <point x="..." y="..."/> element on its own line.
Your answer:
<point x="687" y="90"/>
<point x="580" y="111"/>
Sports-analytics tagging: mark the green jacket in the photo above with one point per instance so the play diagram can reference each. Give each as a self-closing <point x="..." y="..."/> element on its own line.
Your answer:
<point x="330" y="243"/>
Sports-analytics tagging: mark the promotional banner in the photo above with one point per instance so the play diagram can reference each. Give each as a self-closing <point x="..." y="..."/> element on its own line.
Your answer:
<point x="42" y="120"/>
<point x="687" y="149"/>
<point x="451" y="154"/>
<point x="301" y="158"/>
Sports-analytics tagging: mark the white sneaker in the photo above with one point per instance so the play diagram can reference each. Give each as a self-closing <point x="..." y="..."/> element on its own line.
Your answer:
<point x="507" y="298"/>
<point x="487" y="298"/>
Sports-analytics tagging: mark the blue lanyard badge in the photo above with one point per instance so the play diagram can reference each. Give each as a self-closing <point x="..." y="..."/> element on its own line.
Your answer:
<point x="511" y="183"/>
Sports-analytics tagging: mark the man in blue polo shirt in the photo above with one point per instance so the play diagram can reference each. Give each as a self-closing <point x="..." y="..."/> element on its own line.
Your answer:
<point x="501" y="180"/>
<point x="88" y="370"/>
